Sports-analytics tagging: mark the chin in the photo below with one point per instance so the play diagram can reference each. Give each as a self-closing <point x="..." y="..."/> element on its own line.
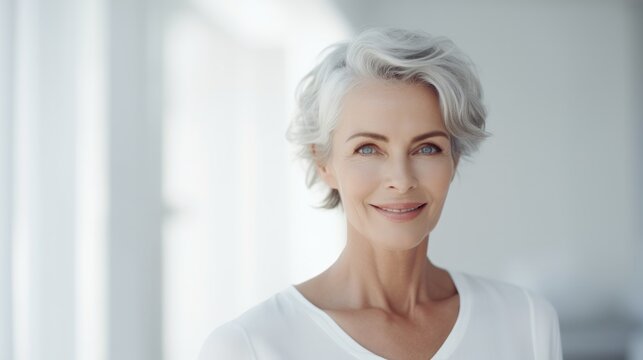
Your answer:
<point x="398" y="241"/>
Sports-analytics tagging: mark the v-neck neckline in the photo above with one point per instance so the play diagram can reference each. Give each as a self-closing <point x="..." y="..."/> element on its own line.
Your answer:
<point x="327" y="323"/>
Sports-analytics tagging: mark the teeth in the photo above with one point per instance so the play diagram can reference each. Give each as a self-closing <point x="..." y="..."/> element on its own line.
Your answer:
<point x="401" y="210"/>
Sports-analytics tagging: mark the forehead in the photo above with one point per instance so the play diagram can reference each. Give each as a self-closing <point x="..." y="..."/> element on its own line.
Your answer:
<point x="390" y="104"/>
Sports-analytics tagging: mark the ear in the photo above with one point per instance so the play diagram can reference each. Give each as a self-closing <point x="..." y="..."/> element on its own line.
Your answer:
<point x="325" y="171"/>
<point x="327" y="175"/>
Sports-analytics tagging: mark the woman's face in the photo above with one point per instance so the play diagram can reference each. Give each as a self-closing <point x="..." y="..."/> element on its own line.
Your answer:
<point x="391" y="162"/>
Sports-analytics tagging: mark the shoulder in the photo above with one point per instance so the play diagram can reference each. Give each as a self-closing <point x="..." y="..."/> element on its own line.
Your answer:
<point x="245" y="336"/>
<point x="497" y="292"/>
<point x="545" y="327"/>
<point x="518" y="311"/>
<point x="228" y="341"/>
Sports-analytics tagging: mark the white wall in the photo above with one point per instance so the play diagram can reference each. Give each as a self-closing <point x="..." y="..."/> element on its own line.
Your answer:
<point x="553" y="200"/>
<point x="56" y="294"/>
<point x="6" y="183"/>
<point x="135" y="118"/>
<point x="43" y="121"/>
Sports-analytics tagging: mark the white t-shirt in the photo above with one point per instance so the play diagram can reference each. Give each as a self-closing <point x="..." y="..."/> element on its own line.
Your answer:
<point x="496" y="321"/>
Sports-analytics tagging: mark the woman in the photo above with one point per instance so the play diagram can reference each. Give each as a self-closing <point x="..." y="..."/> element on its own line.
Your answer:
<point x="383" y="121"/>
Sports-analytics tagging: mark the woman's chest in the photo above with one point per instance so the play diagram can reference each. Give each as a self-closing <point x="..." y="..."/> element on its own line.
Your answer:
<point x="392" y="337"/>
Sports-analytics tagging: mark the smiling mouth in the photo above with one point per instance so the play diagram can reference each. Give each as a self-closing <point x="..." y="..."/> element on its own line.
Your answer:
<point x="400" y="211"/>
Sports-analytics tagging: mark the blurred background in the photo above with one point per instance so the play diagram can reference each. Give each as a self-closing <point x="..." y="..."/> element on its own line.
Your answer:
<point x="147" y="192"/>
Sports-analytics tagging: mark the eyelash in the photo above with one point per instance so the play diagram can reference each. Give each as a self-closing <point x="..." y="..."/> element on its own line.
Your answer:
<point x="438" y="149"/>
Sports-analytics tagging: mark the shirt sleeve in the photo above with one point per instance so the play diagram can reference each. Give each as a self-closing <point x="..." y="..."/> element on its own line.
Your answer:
<point x="229" y="341"/>
<point x="545" y="329"/>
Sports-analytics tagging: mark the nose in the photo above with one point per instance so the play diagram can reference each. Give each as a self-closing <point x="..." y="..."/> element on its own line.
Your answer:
<point x="400" y="175"/>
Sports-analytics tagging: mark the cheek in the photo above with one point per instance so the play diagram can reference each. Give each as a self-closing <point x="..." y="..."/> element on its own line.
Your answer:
<point x="357" y="179"/>
<point x="436" y="176"/>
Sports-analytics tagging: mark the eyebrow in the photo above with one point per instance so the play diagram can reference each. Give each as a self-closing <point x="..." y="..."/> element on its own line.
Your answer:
<point x="385" y="139"/>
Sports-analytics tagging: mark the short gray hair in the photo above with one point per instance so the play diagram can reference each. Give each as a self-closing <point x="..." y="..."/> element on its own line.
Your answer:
<point x="386" y="54"/>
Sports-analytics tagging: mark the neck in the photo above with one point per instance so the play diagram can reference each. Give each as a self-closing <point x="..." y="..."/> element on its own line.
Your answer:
<point x="396" y="281"/>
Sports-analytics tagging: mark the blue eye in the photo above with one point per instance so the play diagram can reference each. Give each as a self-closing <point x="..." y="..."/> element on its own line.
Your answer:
<point x="428" y="149"/>
<point x="366" y="150"/>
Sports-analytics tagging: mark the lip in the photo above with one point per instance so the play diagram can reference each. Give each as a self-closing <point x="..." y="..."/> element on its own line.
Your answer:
<point x="400" y="217"/>
<point x="399" y="206"/>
